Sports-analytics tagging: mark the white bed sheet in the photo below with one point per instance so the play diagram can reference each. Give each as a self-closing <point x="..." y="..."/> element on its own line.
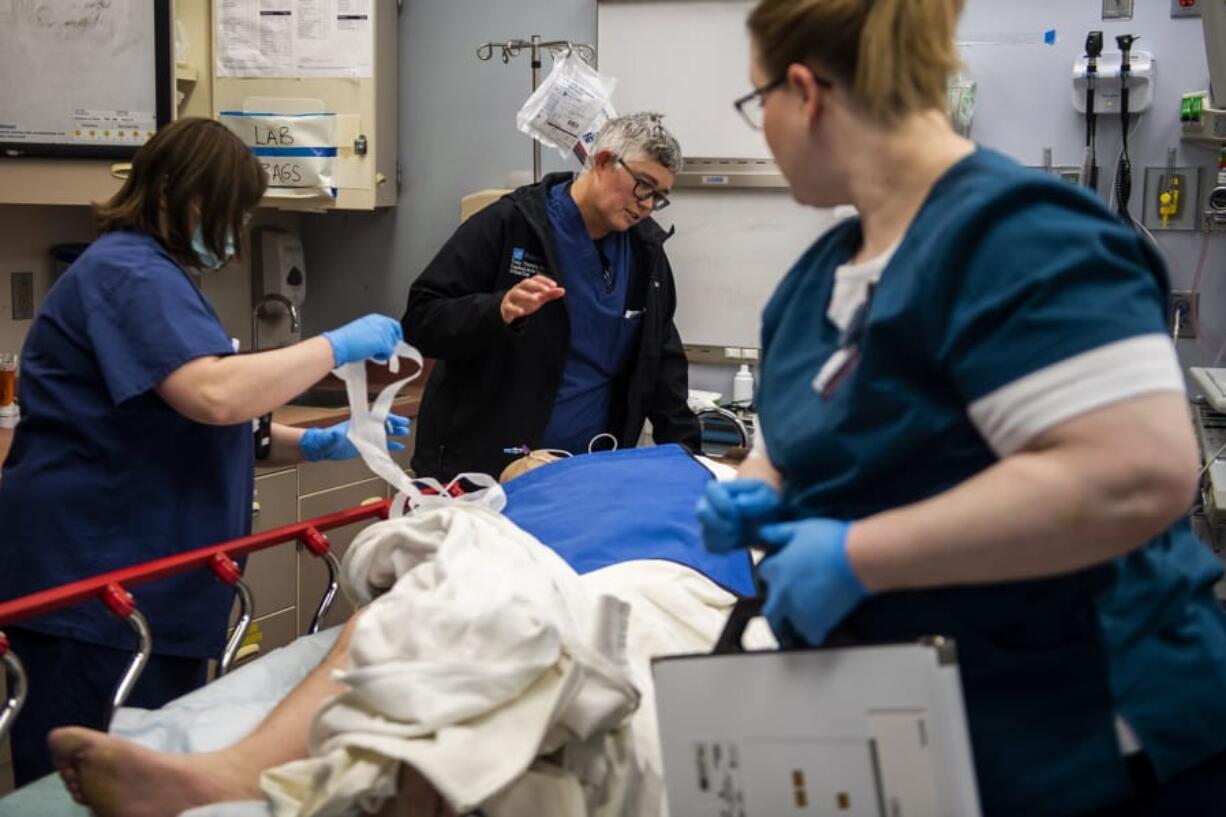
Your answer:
<point x="225" y="711"/>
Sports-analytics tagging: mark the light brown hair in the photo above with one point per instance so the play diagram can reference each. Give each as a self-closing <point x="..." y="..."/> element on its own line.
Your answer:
<point x="894" y="56"/>
<point x="191" y="161"/>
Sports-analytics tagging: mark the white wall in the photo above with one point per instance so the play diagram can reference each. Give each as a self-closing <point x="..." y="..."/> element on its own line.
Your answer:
<point x="1024" y="105"/>
<point x="458" y="135"/>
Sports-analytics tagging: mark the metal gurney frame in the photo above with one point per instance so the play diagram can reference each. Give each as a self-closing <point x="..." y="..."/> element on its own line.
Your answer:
<point x="111" y="589"/>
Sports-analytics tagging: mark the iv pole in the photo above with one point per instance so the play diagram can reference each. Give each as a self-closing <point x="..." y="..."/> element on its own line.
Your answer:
<point x="512" y="48"/>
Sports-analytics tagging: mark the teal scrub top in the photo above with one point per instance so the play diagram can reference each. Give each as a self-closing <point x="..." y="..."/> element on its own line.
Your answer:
<point x="1004" y="272"/>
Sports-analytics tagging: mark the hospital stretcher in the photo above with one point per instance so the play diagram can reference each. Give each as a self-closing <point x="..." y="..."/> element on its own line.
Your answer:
<point x="112" y="590"/>
<point x="908" y="692"/>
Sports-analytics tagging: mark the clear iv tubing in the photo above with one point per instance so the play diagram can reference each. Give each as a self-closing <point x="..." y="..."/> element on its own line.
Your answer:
<point x="524" y="450"/>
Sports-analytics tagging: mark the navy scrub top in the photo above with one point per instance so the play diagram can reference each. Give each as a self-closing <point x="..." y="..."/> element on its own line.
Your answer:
<point x="1004" y="274"/>
<point x="598" y="277"/>
<point x="102" y="473"/>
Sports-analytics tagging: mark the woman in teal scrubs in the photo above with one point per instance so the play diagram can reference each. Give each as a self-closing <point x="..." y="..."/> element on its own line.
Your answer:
<point x="973" y="423"/>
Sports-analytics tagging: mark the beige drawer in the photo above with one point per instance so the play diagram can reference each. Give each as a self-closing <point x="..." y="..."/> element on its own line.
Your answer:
<point x="272" y="577"/>
<point x="314" y="477"/>
<point x="312" y="574"/>
<point x="269" y="470"/>
<point x="273" y="631"/>
<point x="272" y="574"/>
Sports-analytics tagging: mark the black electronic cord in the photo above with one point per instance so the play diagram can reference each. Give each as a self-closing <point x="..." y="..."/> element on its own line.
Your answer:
<point x="1123" y="173"/>
<point x="1094" y="48"/>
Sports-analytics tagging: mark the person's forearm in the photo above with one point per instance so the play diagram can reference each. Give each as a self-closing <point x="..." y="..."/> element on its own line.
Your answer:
<point x="228" y="390"/>
<point x="757" y="466"/>
<point x="286" y="446"/>
<point x="1031" y="515"/>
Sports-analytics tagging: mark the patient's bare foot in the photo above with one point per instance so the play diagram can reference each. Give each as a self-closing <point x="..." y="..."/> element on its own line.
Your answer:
<point x="117" y="778"/>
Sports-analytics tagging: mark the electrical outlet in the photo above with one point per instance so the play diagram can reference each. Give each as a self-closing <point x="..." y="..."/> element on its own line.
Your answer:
<point x="1182" y="310"/>
<point x="21" y="287"/>
<point x="1117" y="9"/>
<point x="1185" y="8"/>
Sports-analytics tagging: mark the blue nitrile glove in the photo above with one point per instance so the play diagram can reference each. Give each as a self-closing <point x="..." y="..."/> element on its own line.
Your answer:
<point x="810" y="586"/>
<point x="371" y="336"/>
<point x="730" y="513"/>
<point x="331" y="443"/>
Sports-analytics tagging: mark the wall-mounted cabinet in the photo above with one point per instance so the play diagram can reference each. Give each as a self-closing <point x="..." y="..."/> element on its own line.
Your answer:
<point x="365" y="106"/>
<point x="268" y="77"/>
<point x="56" y="181"/>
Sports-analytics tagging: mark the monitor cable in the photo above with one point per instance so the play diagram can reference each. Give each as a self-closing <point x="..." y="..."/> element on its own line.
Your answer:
<point x="1123" y="173"/>
<point x="1089" y="170"/>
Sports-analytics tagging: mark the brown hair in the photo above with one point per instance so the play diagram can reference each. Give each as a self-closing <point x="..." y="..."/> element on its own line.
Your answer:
<point x="191" y="161"/>
<point x="895" y="56"/>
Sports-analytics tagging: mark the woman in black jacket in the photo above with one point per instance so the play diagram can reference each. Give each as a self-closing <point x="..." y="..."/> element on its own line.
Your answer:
<point x="551" y="315"/>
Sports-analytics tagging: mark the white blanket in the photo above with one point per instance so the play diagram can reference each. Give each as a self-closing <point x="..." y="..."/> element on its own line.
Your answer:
<point x="487" y="654"/>
<point x="498" y="673"/>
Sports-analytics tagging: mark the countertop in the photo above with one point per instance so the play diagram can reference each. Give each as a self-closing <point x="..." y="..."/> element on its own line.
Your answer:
<point x="408" y="404"/>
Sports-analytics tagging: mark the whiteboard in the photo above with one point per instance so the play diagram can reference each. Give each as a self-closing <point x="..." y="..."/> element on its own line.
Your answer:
<point x="94" y="76"/>
<point x="688" y="60"/>
<point x="730" y="250"/>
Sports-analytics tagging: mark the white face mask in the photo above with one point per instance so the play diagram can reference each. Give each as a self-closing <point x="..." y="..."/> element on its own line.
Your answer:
<point x="209" y="262"/>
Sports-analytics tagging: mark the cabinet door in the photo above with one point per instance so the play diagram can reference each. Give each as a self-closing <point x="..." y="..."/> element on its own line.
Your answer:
<point x="365" y="110"/>
<point x="272" y="574"/>
<point x="312" y="574"/>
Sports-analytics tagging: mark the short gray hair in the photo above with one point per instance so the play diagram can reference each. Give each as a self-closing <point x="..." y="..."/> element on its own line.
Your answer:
<point x="638" y="136"/>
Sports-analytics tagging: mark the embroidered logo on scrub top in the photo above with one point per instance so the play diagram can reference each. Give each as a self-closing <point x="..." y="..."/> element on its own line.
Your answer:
<point x="524" y="264"/>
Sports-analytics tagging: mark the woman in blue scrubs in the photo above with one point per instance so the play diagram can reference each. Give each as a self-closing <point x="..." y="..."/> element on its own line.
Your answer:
<point x="972" y="423"/>
<point x="136" y="440"/>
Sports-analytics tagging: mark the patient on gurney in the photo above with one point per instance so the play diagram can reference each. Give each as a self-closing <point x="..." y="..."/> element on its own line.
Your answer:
<point x="486" y="669"/>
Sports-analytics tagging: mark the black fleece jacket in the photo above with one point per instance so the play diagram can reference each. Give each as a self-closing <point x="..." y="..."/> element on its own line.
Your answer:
<point x="494" y="385"/>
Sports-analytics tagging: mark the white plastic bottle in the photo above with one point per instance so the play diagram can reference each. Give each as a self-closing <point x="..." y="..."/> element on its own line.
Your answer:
<point x="742" y="385"/>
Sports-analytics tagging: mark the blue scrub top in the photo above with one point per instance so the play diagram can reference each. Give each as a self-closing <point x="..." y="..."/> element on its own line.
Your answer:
<point x="102" y="473"/>
<point x="1003" y="273"/>
<point x="598" y="277"/>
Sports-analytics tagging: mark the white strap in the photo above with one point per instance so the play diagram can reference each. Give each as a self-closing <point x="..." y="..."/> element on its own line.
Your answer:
<point x="368" y="433"/>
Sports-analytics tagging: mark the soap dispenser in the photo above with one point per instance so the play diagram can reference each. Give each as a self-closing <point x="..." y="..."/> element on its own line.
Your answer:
<point x="742" y="386"/>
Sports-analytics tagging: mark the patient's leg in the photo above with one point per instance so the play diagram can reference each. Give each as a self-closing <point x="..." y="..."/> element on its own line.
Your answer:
<point x="118" y="778"/>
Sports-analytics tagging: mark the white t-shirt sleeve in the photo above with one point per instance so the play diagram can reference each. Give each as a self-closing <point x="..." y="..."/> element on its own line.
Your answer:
<point x="1014" y="414"/>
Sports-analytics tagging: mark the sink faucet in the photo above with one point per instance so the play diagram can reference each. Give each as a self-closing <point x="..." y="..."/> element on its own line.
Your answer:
<point x="294" y="323"/>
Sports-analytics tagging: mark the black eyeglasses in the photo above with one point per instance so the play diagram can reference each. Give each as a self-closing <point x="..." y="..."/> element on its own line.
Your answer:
<point x="752" y="114"/>
<point x="644" y="190"/>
